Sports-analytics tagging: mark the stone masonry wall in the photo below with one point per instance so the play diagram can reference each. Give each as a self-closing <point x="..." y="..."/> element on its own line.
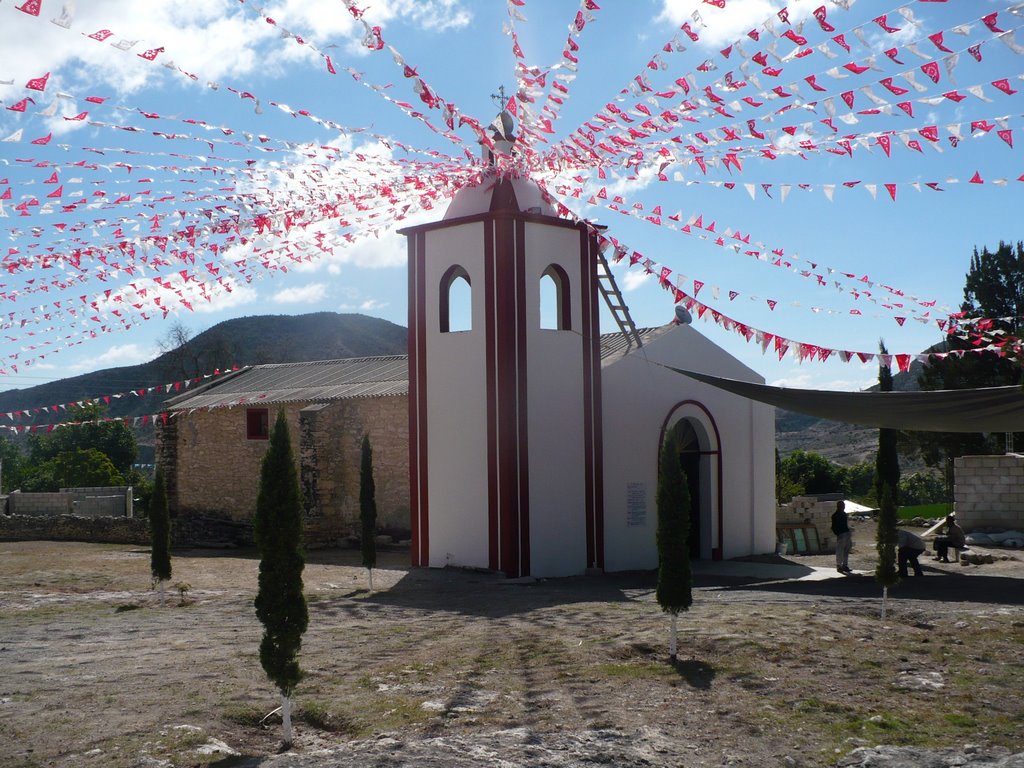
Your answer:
<point x="107" y="530"/>
<point x="989" y="491"/>
<point x="333" y="444"/>
<point x="213" y="469"/>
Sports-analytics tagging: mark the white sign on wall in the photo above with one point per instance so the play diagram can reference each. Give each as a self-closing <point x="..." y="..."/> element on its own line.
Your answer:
<point x="636" y="505"/>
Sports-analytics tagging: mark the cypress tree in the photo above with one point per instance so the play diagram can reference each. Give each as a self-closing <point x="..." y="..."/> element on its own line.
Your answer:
<point x="160" y="530"/>
<point x="674" y="576"/>
<point x="885" y="571"/>
<point x="887" y="460"/>
<point x="280" y="602"/>
<point x="368" y="507"/>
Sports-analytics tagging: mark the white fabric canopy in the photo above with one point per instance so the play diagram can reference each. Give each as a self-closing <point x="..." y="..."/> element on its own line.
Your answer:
<point x="989" y="409"/>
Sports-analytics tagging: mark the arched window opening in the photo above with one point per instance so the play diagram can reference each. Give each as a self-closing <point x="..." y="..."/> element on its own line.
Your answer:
<point x="555" y="306"/>
<point x="456" y="301"/>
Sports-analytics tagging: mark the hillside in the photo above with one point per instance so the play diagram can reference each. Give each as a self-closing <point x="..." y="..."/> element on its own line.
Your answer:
<point x="838" y="441"/>
<point x="237" y="342"/>
<point x="327" y="336"/>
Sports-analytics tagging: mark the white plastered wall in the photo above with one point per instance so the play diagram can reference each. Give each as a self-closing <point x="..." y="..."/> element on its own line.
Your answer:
<point x="555" y="415"/>
<point x="456" y="375"/>
<point x="638" y="397"/>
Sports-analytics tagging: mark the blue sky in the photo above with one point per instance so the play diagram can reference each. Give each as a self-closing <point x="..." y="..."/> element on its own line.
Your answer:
<point x="196" y="142"/>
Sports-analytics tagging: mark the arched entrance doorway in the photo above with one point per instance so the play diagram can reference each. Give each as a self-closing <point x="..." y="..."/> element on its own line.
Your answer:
<point x="696" y="435"/>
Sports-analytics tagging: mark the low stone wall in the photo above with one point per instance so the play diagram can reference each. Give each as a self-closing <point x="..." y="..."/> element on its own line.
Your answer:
<point x="989" y="491"/>
<point x="100" y="530"/>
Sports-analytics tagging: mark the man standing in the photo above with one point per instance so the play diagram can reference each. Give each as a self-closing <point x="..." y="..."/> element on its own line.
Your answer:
<point x="909" y="547"/>
<point x="844" y="539"/>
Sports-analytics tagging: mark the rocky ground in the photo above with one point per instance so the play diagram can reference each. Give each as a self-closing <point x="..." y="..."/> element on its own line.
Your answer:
<point x="453" y="668"/>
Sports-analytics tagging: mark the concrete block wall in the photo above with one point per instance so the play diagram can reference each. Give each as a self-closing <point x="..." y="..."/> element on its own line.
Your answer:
<point x="807" y="510"/>
<point x="115" y="501"/>
<point x="989" y="491"/>
<point x="39" y="504"/>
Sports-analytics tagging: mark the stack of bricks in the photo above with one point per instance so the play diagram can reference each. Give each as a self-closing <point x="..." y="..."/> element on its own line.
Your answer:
<point x="989" y="491"/>
<point x="807" y="510"/>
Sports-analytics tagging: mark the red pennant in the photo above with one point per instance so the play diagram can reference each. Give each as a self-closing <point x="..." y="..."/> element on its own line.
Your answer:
<point x="990" y="22"/>
<point x="891" y="189"/>
<point x="1004" y="86"/>
<point x="38" y="83"/>
<point x="21" y="105"/>
<point x="976" y="178"/>
<point x="820" y="14"/>
<point x="932" y="70"/>
<point x="31" y="7"/>
<point x="937" y="39"/>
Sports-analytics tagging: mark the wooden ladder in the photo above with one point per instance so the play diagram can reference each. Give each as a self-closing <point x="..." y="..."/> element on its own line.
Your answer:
<point x="613" y="298"/>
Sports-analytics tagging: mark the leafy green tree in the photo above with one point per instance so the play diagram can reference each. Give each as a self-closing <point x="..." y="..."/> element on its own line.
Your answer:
<point x="160" y="528"/>
<point x="675" y="579"/>
<point x="885" y="571"/>
<point x="11" y="465"/>
<point x="860" y="480"/>
<point x="113" y="438"/>
<point x="368" y="507"/>
<point x="887" y="459"/>
<point x="993" y="289"/>
<point x="280" y="602"/>
<point x="813" y="472"/>
<point x="923" y="488"/>
<point x="76" y="468"/>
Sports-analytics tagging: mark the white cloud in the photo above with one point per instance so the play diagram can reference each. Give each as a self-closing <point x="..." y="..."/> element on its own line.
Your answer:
<point x="634" y="279"/>
<point x="371" y="305"/>
<point x="115" y="356"/>
<point x="720" y="27"/>
<point x="301" y="294"/>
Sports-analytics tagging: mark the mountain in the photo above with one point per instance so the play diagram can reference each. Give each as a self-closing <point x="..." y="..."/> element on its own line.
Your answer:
<point x="327" y="336"/>
<point x="238" y="342"/>
<point x="841" y="442"/>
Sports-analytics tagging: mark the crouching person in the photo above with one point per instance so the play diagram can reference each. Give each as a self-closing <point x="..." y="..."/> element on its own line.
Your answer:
<point x="909" y="547"/>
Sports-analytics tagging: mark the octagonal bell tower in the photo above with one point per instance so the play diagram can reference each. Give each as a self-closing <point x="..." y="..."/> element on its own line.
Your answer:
<point x="504" y="409"/>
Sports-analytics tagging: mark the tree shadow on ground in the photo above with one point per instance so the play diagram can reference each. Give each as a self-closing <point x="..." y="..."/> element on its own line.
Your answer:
<point x="697" y="674"/>
<point x="935" y="586"/>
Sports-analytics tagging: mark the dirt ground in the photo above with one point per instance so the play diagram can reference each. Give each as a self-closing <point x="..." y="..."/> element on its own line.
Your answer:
<point x="95" y="672"/>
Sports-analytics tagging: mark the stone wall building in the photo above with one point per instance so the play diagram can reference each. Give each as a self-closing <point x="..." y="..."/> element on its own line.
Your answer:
<point x="212" y="446"/>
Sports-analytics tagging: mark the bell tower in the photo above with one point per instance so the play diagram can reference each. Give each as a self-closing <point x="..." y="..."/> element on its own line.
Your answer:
<point x="505" y="381"/>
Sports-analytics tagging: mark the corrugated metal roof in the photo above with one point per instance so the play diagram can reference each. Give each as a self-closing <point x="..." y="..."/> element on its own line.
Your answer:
<point x="329" y="380"/>
<point x="615" y="343"/>
<point x="320" y="381"/>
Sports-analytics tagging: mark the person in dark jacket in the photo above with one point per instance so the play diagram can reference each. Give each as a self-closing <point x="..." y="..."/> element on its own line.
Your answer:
<point x="844" y="539"/>
<point x="954" y="538"/>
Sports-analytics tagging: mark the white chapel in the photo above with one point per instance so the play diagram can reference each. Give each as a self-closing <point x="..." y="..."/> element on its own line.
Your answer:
<point x="534" y="446"/>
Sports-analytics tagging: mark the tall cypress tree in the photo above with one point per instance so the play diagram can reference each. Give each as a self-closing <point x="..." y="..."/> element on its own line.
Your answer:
<point x="885" y="571"/>
<point x="887" y="460"/>
<point x="280" y="602"/>
<point x="160" y="530"/>
<point x="368" y="507"/>
<point x="675" y="579"/>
